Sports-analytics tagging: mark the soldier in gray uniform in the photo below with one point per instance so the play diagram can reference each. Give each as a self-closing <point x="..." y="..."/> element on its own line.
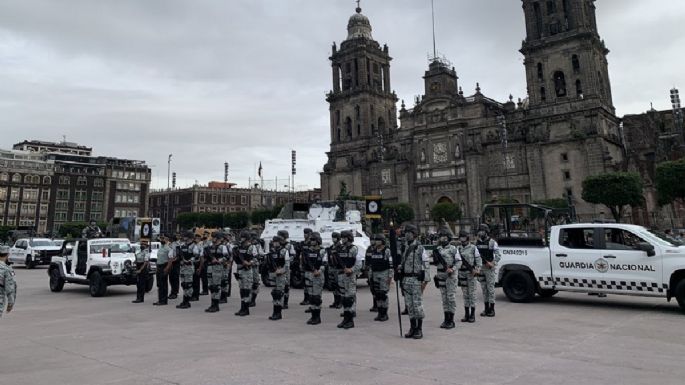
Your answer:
<point x="244" y="255"/>
<point x="379" y="264"/>
<point x="470" y="268"/>
<point x="8" y="286"/>
<point x="303" y="245"/>
<point x="489" y="253"/>
<point x="226" y="267"/>
<point x="446" y="258"/>
<point x="198" y="250"/>
<point x="349" y="266"/>
<point x="292" y="255"/>
<point x="175" y="269"/>
<point x="164" y="256"/>
<point x="215" y="256"/>
<point x="256" y="276"/>
<point x="313" y="259"/>
<point x="332" y="270"/>
<point x="412" y="274"/>
<point x="277" y="263"/>
<point x="142" y="268"/>
<point x="186" y="258"/>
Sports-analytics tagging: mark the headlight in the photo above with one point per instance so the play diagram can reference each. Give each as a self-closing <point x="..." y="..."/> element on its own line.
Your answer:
<point x="115" y="264"/>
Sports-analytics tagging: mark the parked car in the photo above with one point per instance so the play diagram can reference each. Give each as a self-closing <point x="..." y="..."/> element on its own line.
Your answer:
<point x="32" y="252"/>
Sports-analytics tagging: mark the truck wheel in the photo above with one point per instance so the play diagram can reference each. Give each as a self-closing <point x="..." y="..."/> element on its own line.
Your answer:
<point x="680" y="294"/>
<point x="56" y="282"/>
<point x="150" y="283"/>
<point x="98" y="286"/>
<point x="518" y="286"/>
<point x="29" y="263"/>
<point x="547" y="293"/>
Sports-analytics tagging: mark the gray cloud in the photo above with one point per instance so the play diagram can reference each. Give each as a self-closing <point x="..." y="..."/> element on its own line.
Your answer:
<point x="244" y="81"/>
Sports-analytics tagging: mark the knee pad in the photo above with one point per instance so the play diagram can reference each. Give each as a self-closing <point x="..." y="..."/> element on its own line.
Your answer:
<point x="186" y="285"/>
<point x="255" y="286"/>
<point x="244" y="293"/>
<point x="214" y="288"/>
<point x="276" y="294"/>
<point x="382" y="295"/>
<point x="315" y="300"/>
<point x="347" y="301"/>
<point x="287" y="289"/>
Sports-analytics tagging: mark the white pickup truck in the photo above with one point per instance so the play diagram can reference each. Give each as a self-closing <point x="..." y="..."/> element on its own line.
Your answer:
<point x="32" y="252"/>
<point x="594" y="258"/>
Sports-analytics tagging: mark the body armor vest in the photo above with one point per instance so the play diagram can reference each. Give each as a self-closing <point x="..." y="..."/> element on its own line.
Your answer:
<point x="347" y="260"/>
<point x="312" y="259"/>
<point x="485" y="251"/>
<point x="378" y="260"/>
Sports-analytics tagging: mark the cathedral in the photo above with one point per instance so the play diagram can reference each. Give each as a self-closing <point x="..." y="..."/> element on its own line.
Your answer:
<point x="457" y="146"/>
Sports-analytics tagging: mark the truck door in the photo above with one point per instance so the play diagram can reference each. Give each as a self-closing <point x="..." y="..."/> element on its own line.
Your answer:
<point x="81" y="257"/>
<point x="574" y="257"/>
<point x="629" y="270"/>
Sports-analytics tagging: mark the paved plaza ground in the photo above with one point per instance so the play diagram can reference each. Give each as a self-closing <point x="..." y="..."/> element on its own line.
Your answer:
<point x="70" y="338"/>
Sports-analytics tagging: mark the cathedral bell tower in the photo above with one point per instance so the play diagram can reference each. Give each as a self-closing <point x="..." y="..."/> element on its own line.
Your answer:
<point x="362" y="108"/>
<point x="565" y="58"/>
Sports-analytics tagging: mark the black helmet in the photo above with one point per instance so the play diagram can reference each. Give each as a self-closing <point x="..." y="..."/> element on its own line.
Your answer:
<point x="277" y="238"/>
<point x="316" y="237"/>
<point x="335" y="235"/>
<point x="463" y="234"/>
<point x="379" y="237"/>
<point x="254" y="234"/>
<point x="485" y="228"/>
<point x="347" y="234"/>
<point x="189" y="234"/>
<point x="245" y="235"/>
<point x="411" y="229"/>
<point x="218" y="235"/>
<point x="445" y="232"/>
<point x="283" y="234"/>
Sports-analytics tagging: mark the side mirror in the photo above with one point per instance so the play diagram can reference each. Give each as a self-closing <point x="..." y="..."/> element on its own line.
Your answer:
<point x="647" y="248"/>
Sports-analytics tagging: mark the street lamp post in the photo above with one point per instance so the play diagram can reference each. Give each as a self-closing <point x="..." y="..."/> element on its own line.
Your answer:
<point x="168" y="194"/>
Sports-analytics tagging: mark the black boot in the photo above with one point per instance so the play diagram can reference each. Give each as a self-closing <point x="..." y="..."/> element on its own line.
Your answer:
<point x="214" y="308"/>
<point x="412" y="329"/>
<point x="316" y="317"/>
<point x="285" y="301"/>
<point x="418" y="334"/>
<point x="485" y="311"/>
<point x="277" y="313"/>
<point x="450" y="321"/>
<point x="466" y="315"/>
<point x="137" y="300"/>
<point x="305" y="301"/>
<point x="350" y="321"/>
<point x="382" y="314"/>
<point x="492" y="310"/>
<point x="444" y="323"/>
<point x="405" y="311"/>
<point x="252" y="300"/>
<point x="224" y="298"/>
<point x="472" y="316"/>
<point x="184" y="305"/>
<point x="336" y="302"/>
<point x="344" y="320"/>
<point x="244" y="309"/>
<point x="204" y="293"/>
<point x="374" y="308"/>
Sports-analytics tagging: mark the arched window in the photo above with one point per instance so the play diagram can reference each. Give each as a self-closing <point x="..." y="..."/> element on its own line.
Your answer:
<point x="543" y="94"/>
<point x="4" y="177"/>
<point x="445" y="199"/>
<point x="16" y="178"/>
<point x="47" y="180"/>
<point x="28" y="178"/>
<point x="338" y="134"/>
<point x="560" y="84"/>
<point x="575" y="63"/>
<point x="579" y="88"/>
<point x="348" y="128"/>
<point x="541" y="74"/>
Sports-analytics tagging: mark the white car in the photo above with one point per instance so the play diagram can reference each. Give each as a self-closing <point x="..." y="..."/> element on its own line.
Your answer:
<point x="32" y="252"/>
<point x="97" y="263"/>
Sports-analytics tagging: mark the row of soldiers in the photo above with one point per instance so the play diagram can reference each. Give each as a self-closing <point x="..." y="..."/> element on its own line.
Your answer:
<point x="459" y="262"/>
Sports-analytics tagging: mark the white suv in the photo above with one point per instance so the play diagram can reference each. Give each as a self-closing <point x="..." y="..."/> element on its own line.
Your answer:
<point x="32" y="252"/>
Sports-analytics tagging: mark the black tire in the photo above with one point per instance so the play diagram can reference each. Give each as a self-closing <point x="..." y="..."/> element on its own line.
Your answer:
<point x="547" y="293"/>
<point x="97" y="285"/>
<point x="29" y="263"/>
<point x="56" y="281"/>
<point x="680" y="294"/>
<point x="518" y="286"/>
<point x="150" y="283"/>
<point x="296" y="279"/>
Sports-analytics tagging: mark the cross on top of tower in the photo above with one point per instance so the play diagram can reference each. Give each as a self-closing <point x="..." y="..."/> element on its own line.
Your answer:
<point x="359" y="8"/>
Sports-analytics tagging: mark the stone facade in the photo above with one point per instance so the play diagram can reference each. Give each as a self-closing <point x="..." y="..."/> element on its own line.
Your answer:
<point x="450" y="146"/>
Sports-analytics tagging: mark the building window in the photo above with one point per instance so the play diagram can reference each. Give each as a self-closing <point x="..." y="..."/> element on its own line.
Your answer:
<point x="243" y="200"/>
<point x="348" y="128"/>
<point x="14" y="194"/>
<point x="82" y="181"/>
<point x="551" y="7"/>
<point x="214" y="199"/>
<point x="560" y="84"/>
<point x="232" y="199"/>
<point x="569" y="193"/>
<point x="579" y="88"/>
<point x="79" y="206"/>
<point x="31" y="194"/>
<point x="62" y="205"/>
<point x="564" y="157"/>
<point x="176" y="199"/>
<point x="62" y="194"/>
<point x="202" y="198"/>
<point x="63" y="179"/>
<point x="541" y="72"/>
<point x="4" y="177"/>
<point x="47" y="180"/>
<point x="3" y="194"/>
<point x="575" y="63"/>
<point x="80" y="195"/>
<point x="95" y="207"/>
<point x="60" y="216"/>
<point x="97" y="196"/>
<point x="223" y="199"/>
<point x="96" y="216"/>
<point x="543" y="94"/>
<point x="78" y="217"/>
<point x="567" y="175"/>
<point x="98" y="182"/>
<point x="16" y="178"/>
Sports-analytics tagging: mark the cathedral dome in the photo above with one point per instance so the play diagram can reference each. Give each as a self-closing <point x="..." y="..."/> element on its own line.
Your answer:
<point x="359" y="26"/>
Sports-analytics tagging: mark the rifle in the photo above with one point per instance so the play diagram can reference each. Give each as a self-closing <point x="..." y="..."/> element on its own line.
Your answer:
<point x="396" y="262"/>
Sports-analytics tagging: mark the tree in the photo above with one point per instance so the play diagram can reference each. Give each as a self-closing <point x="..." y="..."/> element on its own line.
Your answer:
<point x="258" y="217"/>
<point x="669" y="181"/>
<point x="74" y="229"/>
<point x="555" y="203"/>
<point x="614" y="190"/>
<point x="403" y="212"/>
<point x="188" y="220"/>
<point x="447" y="211"/>
<point x="344" y="194"/>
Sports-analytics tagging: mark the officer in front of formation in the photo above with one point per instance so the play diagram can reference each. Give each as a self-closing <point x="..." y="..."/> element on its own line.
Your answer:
<point x="489" y="253"/>
<point x="292" y="256"/>
<point x="307" y="232"/>
<point x="412" y="273"/>
<point x="277" y="264"/>
<point x="471" y="264"/>
<point x="256" y="276"/>
<point x="349" y="265"/>
<point x="214" y="265"/>
<point x="244" y="255"/>
<point x="313" y="259"/>
<point x="207" y="246"/>
<point x="142" y="268"/>
<point x="186" y="257"/>
<point x="226" y="267"/>
<point x="8" y="286"/>
<point x="164" y="256"/>
<point x="379" y="265"/>
<point x="198" y="250"/>
<point x="446" y="257"/>
<point x="332" y="269"/>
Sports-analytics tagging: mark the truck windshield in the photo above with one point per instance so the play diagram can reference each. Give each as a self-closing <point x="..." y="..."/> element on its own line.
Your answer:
<point x="665" y="238"/>
<point x="113" y="247"/>
<point x="36" y="243"/>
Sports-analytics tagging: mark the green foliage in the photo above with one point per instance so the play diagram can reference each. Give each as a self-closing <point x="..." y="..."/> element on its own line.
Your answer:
<point x="5" y="232"/>
<point x="258" y="217"/>
<point x="237" y="220"/>
<point x="669" y="181"/>
<point x="343" y="194"/>
<point x="450" y="212"/>
<point x="614" y="190"/>
<point x="74" y="229"/>
<point x="403" y="212"/>
<point x="555" y="203"/>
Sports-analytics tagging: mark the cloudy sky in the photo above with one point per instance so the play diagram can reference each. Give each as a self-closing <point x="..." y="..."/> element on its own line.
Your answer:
<point x="243" y="81"/>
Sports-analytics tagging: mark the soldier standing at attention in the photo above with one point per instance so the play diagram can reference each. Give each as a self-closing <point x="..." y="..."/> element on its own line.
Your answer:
<point x="292" y="255"/>
<point x="332" y="269"/>
<point x="142" y="266"/>
<point x="350" y="265"/>
<point x="446" y="257"/>
<point x="312" y="261"/>
<point x="244" y="255"/>
<point x="207" y="246"/>
<point x="164" y="255"/>
<point x="470" y="268"/>
<point x="175" y="267"/>
<point x="303" y="245"/>
<point x="214" y="271"/>
<point x="277" y="263"/>
<point x="8" y="286"/>
<point x="256" y="276"/>
<point x="226" y="267"/>
<point x="489" y="253"/>
<point x="379" y="263"/>
<point x="198" y="250"/>
<point x="186" y="258"/>
<point x="412" y="274"/>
